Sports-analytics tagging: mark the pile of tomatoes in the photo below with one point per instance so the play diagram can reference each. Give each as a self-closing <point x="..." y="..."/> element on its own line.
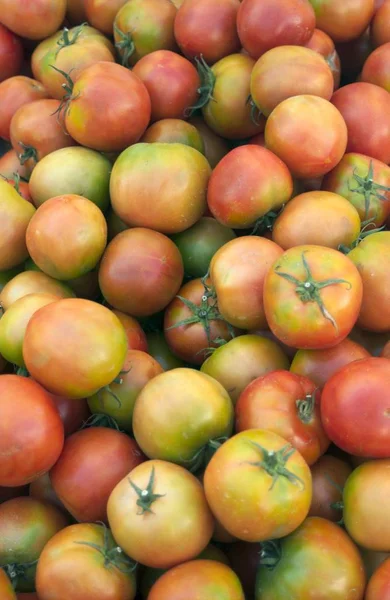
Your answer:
<point x="195" y="300"/>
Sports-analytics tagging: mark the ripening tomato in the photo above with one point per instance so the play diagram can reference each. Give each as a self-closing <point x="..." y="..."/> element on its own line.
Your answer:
<point x="35" y="20"/>
<point x="332" y="17"/>
<point x="32" y="282"/>
<point x="322" y="43"/>
<point x="14" y="93"/>
<point x="365" y="108"/>
<point x="215" y="147"/>
<point x="312" y="124"/>
<point x="10" y="166"/>
<point x="11" y="54"/>
<point x="215" y="40"/>
<point x="32" y="433"/>
<point x="83" y="561"/>
<point x="248" y="182"/>
<point x="329" y="475"/>
<point x="380" y="31"/>
<point x="320" y="365"/>
<point x="172" y="82"/>
<point x="136" y="337"/>
<point x="164" y="491"/>
<point x="141" y="271"/>
<point x="318" y="560"/>
<point x="376" y="69"/>
<point x="101" y="13"/>
<point x="15" y="215"/>
<point x="312" y="297"/>
<point x="6" y="590"/>
<point x="378" y="587"/>
<point x="266" y="24"/>
<point x="173" y="131"/>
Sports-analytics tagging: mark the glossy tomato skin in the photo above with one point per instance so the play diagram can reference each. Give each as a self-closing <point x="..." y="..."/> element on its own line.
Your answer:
<point x="320" y="365"/>
<point x="6" y="589"/>
<point x="16" y="214"/>
<point x="376" y="70"/>
<point x="33" y="21"/>
<point x="27" y="407"/>
<point x="288" y="405"/>
<point x="172" y="82"/>
<point x="268" y="185"/>
<point x="308" y="122"/>
<point x="70" y="567"/>
<point x="263" y="25"/>
<point x="301" y="319"/>
<point x="380" y="32"/>
<point x="14" y="93"/>
<point x="165" y="540"/>
<point x="11" y="53"/>
<point x="318" y="559"/>
<point x="332" y="16"/>
<point x="32" y="282"/>
<point x="378" y="587"/>
<point x="174" y="131"/>
<point x="140" y="272"/>
<point x="322" y="43"/>
<point x="102" y="15"/>
<point x="365" y="108"/>
<point x="355" y="405"/>
<point x="329" y="475"/>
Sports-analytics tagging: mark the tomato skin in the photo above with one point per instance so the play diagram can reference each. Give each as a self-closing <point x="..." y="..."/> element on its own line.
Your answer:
<point x="310" y="122"/>
<point x="329" y="474"/>
<point x="317" y="217"/>
<point x="268" y="185"/>
<point x="155" y="542"/>
<point x="21" y="187"/>
<point x="42" y="489"/>
<point x="263" y="25"/>
<point x="386" y="350"/>
<point x="28" y="407"/>
<point x="11" y="53"/>
<point x="321" y="365"/>
<point x="10" y="165"/>
<point x="6" y="589"/>
<point x="174" y="131"/>
<point x="172" y="82"/>
<point x="276" y="402"/>
<point x="136" y="337"/>
<point x="318" y="559"/>
<point x="365" y="108"/>
<point x="205" y="575"/>
<point x="332" y="16"/>
<point x="73" y="413"/>
<point x="159" y="350"/>
<point x="322" y="43"/>
<point x="32" y="282"/>
<point x="14" y="93"/>
<point x="69" y="568"/>
<point x="34" y="21"/>
<point x="220" y="37"/>
<point x="375" y="310"/>
<point x="215" y="147"/>
<point x="141" y="271"/>
<point x="102" y="14"/>
<point x="378" y="587"/>
<point x="239" y="287"/>
<point x="375" y="69"/>
<point x="301" y="323"/>
<point x="16" y="214"/>
<point x="380" y="33"/>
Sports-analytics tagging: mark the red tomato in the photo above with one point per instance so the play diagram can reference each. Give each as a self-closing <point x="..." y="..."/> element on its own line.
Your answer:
<point x="355" y="407"/>
<point x="102" y="14"/>
<point x="322" y="43"/>
<point x="376" y="68"/>
<point x="11" y="54"/>
<point x="329" y="475"/>
<point x="16" y="214"/>
<point x="343" y="21"/>
<point x="14" y="93"/>
<point x="32" y="434"/>
<point x="378" y="587"/>
<point x="35" y="20"/>
<point x="136" y="337"/>
<point x="173" y="131"/>
<point x="366" y="110"/>
<point x="218" y="39"/>
<point x="380" y="25"/>
<point x="266" y="24"/>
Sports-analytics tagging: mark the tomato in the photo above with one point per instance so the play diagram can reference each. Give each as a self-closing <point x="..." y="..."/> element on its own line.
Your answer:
<point x="215" y="147"/>
<point x="320" y="365"/>
<point x="329" y="475"/>
<point x="32" y="433"/>
<point x="312" y="297"/>
<point x="375" y="310"/>
<point x="10" y="166"/>
<point x="228" y="111"/>
<point x="42" y="489"/>
<point x="32" y="282"/>
<point x="75" y="170"/>
<point x="83" y="561"/>
<point x="172" y="82"/>
<point x="102" y="14"/>
<point x="15" y="214"/>
<point x="118" y="402"/>
<point x="343" y="22"/>
<point x="26" y="525"/>
<point x="365" y="182"/>
<point x="312" y="124"/>
<point x="206" y="577"/>
<point x="268" y="185"/>
<point x="174" y="131"/>
<point x="378" y="587"/>
<point x="67" y="236"/>
<point x="375" y="69"/>
<point x="238" y="285"/>
<point x="92" y="462"/>
<point x="213" y="42"/>
<point x="21" y="187"/>
<point x="380" y="32"/>
<point x="322" y="43"/>
<point x="386" y="350"/>
<point x="11" y="54"/>
<point x="266" y="24"/>
<point x="73" y="414"/>
<point x="317" y="217"/>
<point x="317" y="560"/>
<point x="34" y="21"/>
<point x="199" y="243"/>
<point x="159" y="350"/>
<point x="288" y="71"/>
<point x="366" y="110"/>
<point x="141" y="271"/>
<point x="14" y="93"/>
<point x="355" y="407"/>
<point x="6" y="589"/>
<point x="13" y="325"/>
<point x="205" y="416"/>
<point x="136" y="337"/>
<point x="70" y="369"/>
<point x="258" y="472"/>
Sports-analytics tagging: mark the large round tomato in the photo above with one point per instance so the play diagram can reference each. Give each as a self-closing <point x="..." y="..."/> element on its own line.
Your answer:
<point x="318" y="560"/>
<point x="11" y="53"/>
<point x="380" y="31"/>
<point x="173" y="131"/>
<point x="32" y="282"/>
<point x="355" y="407"/>
<point x="322" y="43"/>
<point x="83" y="561"/>
<point x="288" y="405"/>
<point x="343" y="21"/>
<point x="35" y="20"/>
<point x="312" y="297"/>
<point x="329" y="475"/>
<point x="140" y="272"/>
<point x="6" y="590"/>
<point x="70" y="368"/>
<point x="32" y="433"/>
<point x="15" y="214"/>
<point x="311" y="124"/>
<point x="164" y="491"/>
<point x="215" y="147"/>
<point x="376" y="69"/>
<point x="102" y="14"/>
<point x="378" y="587"/>
<point x="14" y="93"/>
<point x="248" y="182"/>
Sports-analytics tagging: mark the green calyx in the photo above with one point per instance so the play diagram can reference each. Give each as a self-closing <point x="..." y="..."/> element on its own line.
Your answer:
<point x="207" y="84"/>
<point x="274" y="463"/>
<point x="29" y="152"/>
<point x="265" y="223"/>
<point x="309" y="289"/>
<point x="367" y="187"/>
<point x="125" y="45"/>
<point x="270" y="554"/>
<point x="68" y="40"/>
<point x="255" y="111"/>
<point x="367" y="228"/>
<point x="64" y="106"/>
<point x="202" y="457"/>
<point x="306" y="407"/>
<point x="112" y="554"/>
<point x="107" y="389"/>
<point x="100" y="420"/>
<point x="146" y="497"/>
<point x="17" y="572"/>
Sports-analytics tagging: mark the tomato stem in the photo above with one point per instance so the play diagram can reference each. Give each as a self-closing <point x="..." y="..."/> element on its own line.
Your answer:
<point x="265" y="223"/>
<point x="203" y="456"/>
<point x="65" y="40"/>
<point x="255" y="111"/>
<point x="146" y="497"/>
<point x="125" y="45"/>
<point x="29" y="152"/>
<point x="207" y="84"/>
<point x="306" y="407"/>
<point x="367" y="187"/>
<point x="100" y="420"/>
<point x="274" y="463"/>
<point x="113" y="555"/>
<point x="17" y="571"/>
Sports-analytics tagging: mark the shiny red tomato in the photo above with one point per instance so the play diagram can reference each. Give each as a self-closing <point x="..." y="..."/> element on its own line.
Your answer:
<point x="101" y="14"/>
<point x="329" y="475"/>
<point x="35" y="20"/>
<point x="343" y="21"/>
<point x="376" y="68"/>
